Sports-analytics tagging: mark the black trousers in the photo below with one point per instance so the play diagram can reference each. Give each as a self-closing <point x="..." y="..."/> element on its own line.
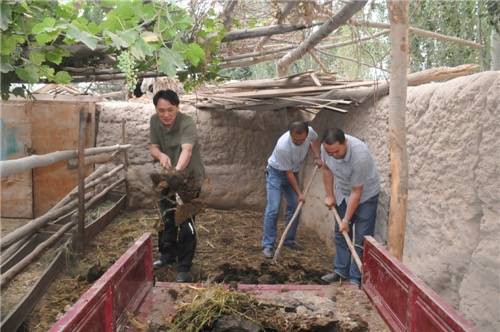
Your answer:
<point x="176" y="243"/>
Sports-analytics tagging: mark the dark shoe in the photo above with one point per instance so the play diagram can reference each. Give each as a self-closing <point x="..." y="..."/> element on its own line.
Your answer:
<point x="183" y="277"/>
<point x="268" y="253"/>
<point x="294" y="246"/>
<point x="332" y="277"/>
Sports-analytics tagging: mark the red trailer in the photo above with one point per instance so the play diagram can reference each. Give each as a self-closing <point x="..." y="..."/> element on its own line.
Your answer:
<point x="403" y="300"/>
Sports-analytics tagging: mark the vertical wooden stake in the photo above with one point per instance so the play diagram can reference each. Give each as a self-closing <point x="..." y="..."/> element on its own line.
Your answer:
<point x="125" y="160"/>
<point x="80" y="243"/>
<point x="398" y="14"/>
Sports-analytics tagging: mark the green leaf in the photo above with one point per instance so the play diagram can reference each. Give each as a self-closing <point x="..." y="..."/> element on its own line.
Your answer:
<point x="141" y="49"/>
<point x="194" y="54"/>
<point x="62" y="77"/>
<point x="128" y="36"/>
<point x="8" y="44"/>
<point x="148" y="11"/>
<point x="116" y="40"/>
<point x="5" y="67"/>
<point x="47" y="71"/>
<point x="45" y="38"/>
<point x="55" y="56"/>
<point x="169" y="61"/>
<point x="82" y="36"/>
<point x="47" y="25"/>
<point x="28" y="73"/>
<point x="126" y="10"/>
<point x="5" y="15"/>
<point x="37" y="57"/>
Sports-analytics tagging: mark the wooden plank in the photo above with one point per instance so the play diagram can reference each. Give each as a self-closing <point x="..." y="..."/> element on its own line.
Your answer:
<point x="16" y="190"/>
<point x="17" y="316"/>
<point x="52" y="183"/>
<point x="92" y="229"/>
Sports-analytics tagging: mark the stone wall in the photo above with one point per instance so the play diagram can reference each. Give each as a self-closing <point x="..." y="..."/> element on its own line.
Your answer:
<point x="453" y="220"/>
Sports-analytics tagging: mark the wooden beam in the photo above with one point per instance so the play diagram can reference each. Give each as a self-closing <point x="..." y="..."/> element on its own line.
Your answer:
<point x="419" y="32"/>
<point x="125" y="159"/>
<point x="340" y="18"/>
<point x="15" y="166"/>
<point x="398" y="14"/>
<point x="284" y="13"/>
<point x="80" y="243"/>
<point x="265" y="31"/>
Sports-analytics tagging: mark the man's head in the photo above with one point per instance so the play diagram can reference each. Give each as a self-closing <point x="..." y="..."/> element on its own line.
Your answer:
<point x="335" y="143"/>
<point x="298" y="132"/>
<point x="167" y="105"/>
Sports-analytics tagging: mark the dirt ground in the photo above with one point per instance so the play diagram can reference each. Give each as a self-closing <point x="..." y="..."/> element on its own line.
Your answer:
<point x="228" y="251"/>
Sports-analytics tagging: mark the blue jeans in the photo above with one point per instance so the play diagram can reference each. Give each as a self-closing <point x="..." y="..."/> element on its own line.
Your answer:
<point x="363" y="222"/>
<point x="277" y="183"/>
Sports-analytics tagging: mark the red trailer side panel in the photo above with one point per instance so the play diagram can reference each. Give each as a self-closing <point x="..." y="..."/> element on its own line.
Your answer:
<point x="402" y="299"/>
<point x="121" y="289"/>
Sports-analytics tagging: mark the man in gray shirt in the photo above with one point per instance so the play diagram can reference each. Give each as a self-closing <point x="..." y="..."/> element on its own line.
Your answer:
<point x="282" y="178"/>
<point x="352" y="185"/>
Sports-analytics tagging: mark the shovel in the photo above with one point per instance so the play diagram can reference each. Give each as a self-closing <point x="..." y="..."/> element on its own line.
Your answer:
<point x="295" y="214"/>
<point x="348" y="240"/>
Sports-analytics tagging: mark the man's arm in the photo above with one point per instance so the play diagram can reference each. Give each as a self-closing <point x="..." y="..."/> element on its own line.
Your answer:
<point x="352" y="205"/>
<point x="164" y="160"/>
<point x="295" y="186"/>
<point x="185" y="157"/>
<point x="328" y="185"/>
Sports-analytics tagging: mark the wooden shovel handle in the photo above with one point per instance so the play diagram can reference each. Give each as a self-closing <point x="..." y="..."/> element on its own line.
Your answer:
<point x="348" y="240"/>
<point x="295" y="214"/>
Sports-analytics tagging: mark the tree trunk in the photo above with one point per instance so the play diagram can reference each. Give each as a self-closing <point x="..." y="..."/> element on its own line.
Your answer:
<point x="227" y="13"/>
<point x="495" y="49"/>
<point x="349" y="9"/>
<point x="398" y="13"/>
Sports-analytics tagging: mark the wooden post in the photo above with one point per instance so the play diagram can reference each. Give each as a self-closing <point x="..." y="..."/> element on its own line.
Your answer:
<point x="80" y="242"/>
<point x="398" y="13"/>
<point x="125" y="160"/>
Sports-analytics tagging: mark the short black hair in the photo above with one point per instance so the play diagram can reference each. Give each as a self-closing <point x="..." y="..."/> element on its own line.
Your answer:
<point x="169" y="95"/>
<point x="299" y="127"/>
<point x="333" y="135"/>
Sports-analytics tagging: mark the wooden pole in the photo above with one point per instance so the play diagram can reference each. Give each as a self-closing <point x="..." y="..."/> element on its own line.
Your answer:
<point x="125" y="159"/>
<point x="348" y="241"/>
<point x="23" y="263"/>
<point x="80" y="243"/>
<point x="15" y="166"/>
<point x="398" y="14"/>
<point x="292" y="220"/>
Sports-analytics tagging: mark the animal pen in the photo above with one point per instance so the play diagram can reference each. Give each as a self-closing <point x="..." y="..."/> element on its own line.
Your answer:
<point x="79" y="216"/>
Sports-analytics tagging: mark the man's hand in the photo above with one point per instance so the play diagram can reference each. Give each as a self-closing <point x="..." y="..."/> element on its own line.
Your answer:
<point x="301" y="198"/>
<point x="318" y="162"/>
<point x="344" y="226"/>
<point x="165" y="161"/>
<point x="330" y="202"/>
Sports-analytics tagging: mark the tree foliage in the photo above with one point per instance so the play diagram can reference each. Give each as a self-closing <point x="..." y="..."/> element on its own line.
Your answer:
<point x="43" y="40"/>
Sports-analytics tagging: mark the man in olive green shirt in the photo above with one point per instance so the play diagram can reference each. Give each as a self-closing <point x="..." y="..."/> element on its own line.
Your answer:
<point x="174" y="143"/>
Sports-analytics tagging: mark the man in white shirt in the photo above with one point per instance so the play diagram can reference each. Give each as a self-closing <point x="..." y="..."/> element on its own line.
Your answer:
<point x="352" y="185"/>
<point x="282" y="178"/>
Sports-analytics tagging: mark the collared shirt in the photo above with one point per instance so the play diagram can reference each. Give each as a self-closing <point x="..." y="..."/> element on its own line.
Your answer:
<point x="357" y="168"/>
<point x="287" y="156"/>
<point x="171" y="139"/>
